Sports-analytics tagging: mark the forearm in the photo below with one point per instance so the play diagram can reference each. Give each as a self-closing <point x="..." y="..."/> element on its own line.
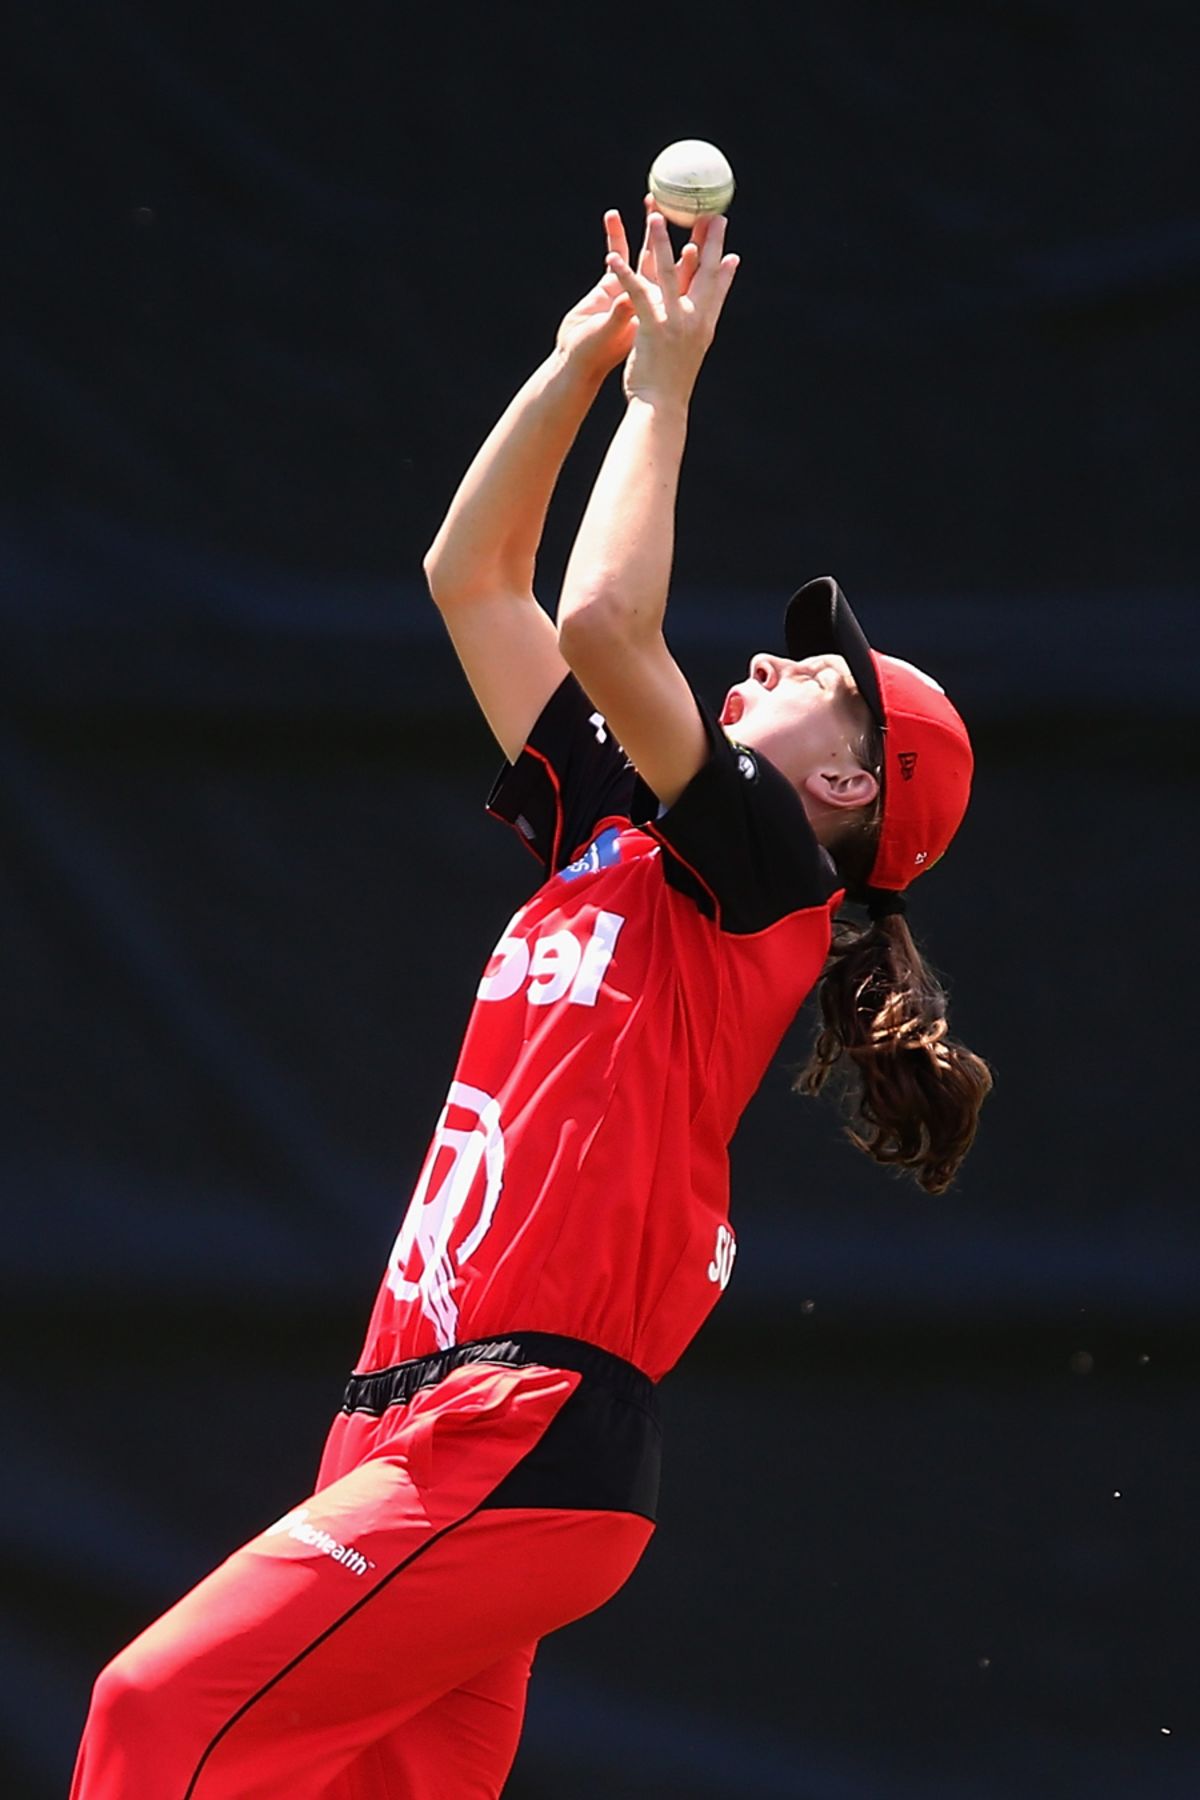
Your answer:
<point x="614" y="598"/>
<point x="490" y="535"/>
<point x="620" y="567"/>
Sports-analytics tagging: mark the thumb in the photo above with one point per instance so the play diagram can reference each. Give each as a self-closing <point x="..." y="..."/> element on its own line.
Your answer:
<point x="619" y="316"/>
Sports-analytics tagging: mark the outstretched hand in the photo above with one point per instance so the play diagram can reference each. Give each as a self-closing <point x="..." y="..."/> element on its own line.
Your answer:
<point x="599" y="332"/>
<point x="676" y="305"/>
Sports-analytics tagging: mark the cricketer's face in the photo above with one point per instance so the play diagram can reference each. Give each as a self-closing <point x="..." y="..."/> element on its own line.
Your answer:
<point x="807" y="716"/>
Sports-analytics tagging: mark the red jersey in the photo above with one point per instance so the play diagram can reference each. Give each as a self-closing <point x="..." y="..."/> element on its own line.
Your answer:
<point x="578" y="1177"/>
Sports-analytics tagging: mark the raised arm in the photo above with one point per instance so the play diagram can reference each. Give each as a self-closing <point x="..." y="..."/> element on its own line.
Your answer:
<point x="480" y="567"/>
<point x="610" y="616"/>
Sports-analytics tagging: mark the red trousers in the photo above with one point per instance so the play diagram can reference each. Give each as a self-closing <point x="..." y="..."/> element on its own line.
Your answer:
<point x="375" y="1643"/>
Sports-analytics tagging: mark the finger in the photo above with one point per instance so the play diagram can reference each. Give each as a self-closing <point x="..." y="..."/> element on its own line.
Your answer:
<point x="635" y="287"/>
<point x="711" y="252"/>
<point x="645" y="259"/>
<point x="722" y="282"/>
<point x="685" y="268"/>
<point x="713" y="246"/>
<point x="663" y="257"/>
<point x="617" y="320"/>
<point x="614" y="231"/>
<point x="622" y="312"/>
<point x="700" y="229"/>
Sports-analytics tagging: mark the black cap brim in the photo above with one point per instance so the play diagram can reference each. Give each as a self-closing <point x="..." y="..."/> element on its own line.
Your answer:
<point x="819" y="621"/>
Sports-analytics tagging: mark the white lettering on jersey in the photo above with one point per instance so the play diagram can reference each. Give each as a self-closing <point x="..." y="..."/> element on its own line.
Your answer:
<point x="295" y="1524"/>
<point x="557" y="967"/>
<point x="721" y="1266"/>
<point x="597" y="954"/>
<point x="599" y="724"/>
<point x="509" y="972"/>
<point x="436" y="1208"/>
<point x="553" y="967"/>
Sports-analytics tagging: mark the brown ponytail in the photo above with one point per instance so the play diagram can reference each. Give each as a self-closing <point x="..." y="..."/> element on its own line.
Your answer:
<point x="883" y="1012"/>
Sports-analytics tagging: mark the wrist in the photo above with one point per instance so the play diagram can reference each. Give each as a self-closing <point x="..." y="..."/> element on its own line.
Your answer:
<point x="668" y="409"/>
<point x="574" y="372"/>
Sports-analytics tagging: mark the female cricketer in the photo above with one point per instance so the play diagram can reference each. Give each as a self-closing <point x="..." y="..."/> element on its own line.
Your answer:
<point x="494" y="1470"/>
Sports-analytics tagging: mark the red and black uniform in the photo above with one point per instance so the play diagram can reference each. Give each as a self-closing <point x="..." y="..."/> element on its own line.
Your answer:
<point x="494" y="1470"/>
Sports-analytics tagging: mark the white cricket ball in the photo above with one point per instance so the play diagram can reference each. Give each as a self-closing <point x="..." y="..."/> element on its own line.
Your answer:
<point x="689" y="180"/>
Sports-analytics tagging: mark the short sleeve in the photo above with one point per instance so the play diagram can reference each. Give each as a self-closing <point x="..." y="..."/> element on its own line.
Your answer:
<point x="570" y="777"/>
<point x="738" y="840"/>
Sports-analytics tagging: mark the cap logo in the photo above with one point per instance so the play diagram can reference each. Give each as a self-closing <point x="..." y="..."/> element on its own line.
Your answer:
<point x="908" y="762"/>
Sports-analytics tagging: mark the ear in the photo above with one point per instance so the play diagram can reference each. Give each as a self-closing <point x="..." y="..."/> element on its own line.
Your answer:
<point x="829" y="788"/>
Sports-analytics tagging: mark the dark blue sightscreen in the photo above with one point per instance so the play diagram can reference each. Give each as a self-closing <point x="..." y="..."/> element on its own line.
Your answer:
<point x="268" y="280"/>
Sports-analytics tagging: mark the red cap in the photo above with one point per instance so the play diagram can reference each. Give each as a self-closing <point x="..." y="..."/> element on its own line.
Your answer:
<point x="927" y="761"/>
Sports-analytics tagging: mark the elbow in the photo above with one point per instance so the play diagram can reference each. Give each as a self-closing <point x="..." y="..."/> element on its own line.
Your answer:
<point x="439" y="576"/>
<point x="462" y="573"/>
<point x="594" y="625"/>
<point x="454" y="583"/>
<point x="600" y="612"/>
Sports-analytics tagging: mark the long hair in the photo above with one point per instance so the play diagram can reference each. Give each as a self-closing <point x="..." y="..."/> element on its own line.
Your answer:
<point x="914" y="1092"/>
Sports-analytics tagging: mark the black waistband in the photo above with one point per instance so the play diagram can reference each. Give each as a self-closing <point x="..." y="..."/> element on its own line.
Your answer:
<point x="382" y="1388"/>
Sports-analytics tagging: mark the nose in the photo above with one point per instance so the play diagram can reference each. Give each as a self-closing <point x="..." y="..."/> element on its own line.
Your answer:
<point x="765" y="669"/>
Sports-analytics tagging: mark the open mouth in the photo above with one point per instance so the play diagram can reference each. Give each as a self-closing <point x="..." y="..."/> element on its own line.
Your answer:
<point x="733" y="708"/>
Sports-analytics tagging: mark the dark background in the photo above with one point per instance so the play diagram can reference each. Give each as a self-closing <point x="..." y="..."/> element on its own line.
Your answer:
<point x="269" y="277"/>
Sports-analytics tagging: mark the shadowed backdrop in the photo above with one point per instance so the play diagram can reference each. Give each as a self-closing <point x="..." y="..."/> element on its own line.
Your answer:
<point x="930" y="1486"/>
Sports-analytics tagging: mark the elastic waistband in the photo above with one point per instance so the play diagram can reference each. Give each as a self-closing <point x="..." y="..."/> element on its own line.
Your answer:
<point x="383" y="1388"/>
